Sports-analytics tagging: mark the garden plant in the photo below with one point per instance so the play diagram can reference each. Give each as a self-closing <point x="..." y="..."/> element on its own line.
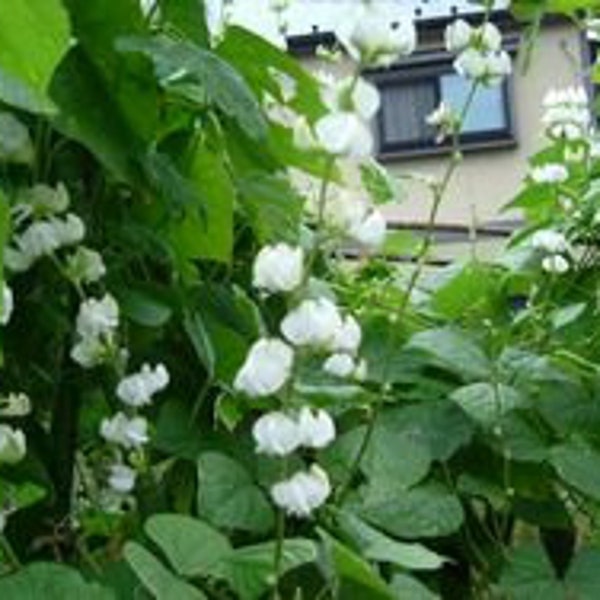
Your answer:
<point x="216" y="381"/>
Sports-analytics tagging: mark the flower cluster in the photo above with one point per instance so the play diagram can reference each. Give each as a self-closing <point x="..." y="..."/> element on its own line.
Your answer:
<point x="554" y="247"/>
<point x="550" y="173"/>
<point x="315" y="326"/>
<point x="127" y="430"/>
<point x="567" y="114"/>
<point x="480" y="56"/>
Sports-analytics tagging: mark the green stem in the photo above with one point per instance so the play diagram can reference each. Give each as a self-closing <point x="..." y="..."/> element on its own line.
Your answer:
<point x="9" y="553"/>
<point x="344" y="489"/>
<point x="278" y="556"/>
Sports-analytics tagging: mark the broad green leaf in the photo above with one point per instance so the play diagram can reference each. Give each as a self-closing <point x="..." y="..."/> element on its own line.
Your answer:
<point x="567" y="315"/>
<point x="197" y="333"/>
<point x="249" y="570"/>
<point x="487" y="403"/>
<point x="34" y="36"/>
<point x="273" y="208"/>
<point x="520" y="439"/>
<point x="177" y="433"/>
<point x="348" y="566"/>
<point x="240" y="48"/>
<point x="379" y="184"/>
<point x="577" y="464"/>
<point x="530" y="576"/>
<point x="378" y="547"/>
<point x="90" y="115"/>
<point x="583" y="577"/>
<point x="421" y="512"/>
<point x="207" y="233"/>
<point x="51" y="582"/>
<point x="440" y="426"/>
<point x="453" y="350"/>
<point x="201" y="78"/>
<point x="97" y="25"/>
<point x="410" y="588"/>
<point x="190" y="545"/>
<point x="187" y="17"/>
<point x="15" y="496"/>
<point x="156" y="578"/>
<point x="144" y="307"/>
<point x="15" y="143"/>
<point x="228" y="498"/>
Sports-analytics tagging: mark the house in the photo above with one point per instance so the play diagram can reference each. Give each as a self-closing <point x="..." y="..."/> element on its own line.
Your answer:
<point x="503" y="125"/>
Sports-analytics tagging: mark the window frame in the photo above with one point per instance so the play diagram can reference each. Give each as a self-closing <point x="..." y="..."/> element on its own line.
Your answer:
<point x="434" y="64"/>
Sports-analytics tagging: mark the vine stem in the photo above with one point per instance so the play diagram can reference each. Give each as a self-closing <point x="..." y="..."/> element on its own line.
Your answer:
<point x="10" y="554"/>
<point x="278" y="556"/>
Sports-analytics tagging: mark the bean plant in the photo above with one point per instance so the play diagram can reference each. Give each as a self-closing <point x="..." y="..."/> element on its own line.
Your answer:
<point x="216" y="380"/>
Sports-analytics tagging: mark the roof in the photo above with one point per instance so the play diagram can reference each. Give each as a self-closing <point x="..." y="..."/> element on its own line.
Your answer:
<point x="306" y="17"/>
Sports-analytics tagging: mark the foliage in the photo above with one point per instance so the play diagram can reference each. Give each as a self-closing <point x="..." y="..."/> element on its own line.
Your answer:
<point x="465" y="459"/>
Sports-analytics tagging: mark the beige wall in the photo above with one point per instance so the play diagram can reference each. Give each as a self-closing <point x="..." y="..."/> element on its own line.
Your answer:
<point x="488" y="179"/>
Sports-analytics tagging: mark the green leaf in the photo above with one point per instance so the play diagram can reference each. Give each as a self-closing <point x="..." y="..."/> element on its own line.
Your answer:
<point x="187" y="17"/>
<point x="380" y="186"/>
<point x="577" y="464"/>
<point x="196" y="330"/>
<point x="583" y="578"/>
<point x="228" y="498"/>
<point x="201" y="78"/>
<point x="90" y="115"/>
<point x="156" y="578"/>
<point x="530" y="576"/>
<point x="15" y="143"/>
<point x="487" y="403"/>
<point x="273" y="208"/>
<point x="350" y="567"/>
<point x="34" y="36"/>
<point x="453" y="350"/>
<point x="250" y="570"/>
<point x="410" y="588"/>
<point x="144" y="307"/>
<point x="190" y="545"/>
<point x="15" y="496"/>
<point x="424" y="511"/>
<point x="377" y="546"/>
<point x="51" y="582"/>
<point x="207" y="234"/>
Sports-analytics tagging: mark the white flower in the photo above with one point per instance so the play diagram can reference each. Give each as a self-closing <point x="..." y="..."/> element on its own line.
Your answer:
<point x="126" y="432"/>
<point x="39" y="239"/>
<point x="550" y="241"/>
<point x="358" y="96"/>
<point x="371" y="232"/>
<point x="458" y="35"/>
<point x="566" y="113"/>
<point x="312" y="323"/>
<point x="90" y="351"/>
<point x="555" y="263"/>
<point x="137" y="389"/>
<point x="278" y="268"/>
<point x="266" y="369"/>
<point x="16" y="260"/>
<point x="85" y="265"/>
<point x="303" y="492"/>
<point x="488" y="68"/>
<point x="340" y="364"/>
<point x="344" y="133"/>
<point x="348" y="336"/>
<point x="549" y="173"/>
<point x="97" y="317"/>
<point x="316" y="428"/>
<point x="442" y="116"/>
<point x="13" y="446"/>
<point x="593" y="29"/>
<point x="345" y="210"/>
<point x="371" y="38"/>
<point x="15" y="405"/>
<point x="490" y="37"/>
<point x="69" y="231"/>
<point x="8" y="304"/>
<point x="121" y="478"/>
<point x="276" y="434"/>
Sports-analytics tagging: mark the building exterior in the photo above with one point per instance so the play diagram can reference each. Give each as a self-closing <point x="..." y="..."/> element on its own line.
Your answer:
<point x="500" y="133"/>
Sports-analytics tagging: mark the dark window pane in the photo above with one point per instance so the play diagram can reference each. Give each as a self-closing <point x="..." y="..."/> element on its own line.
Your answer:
<point x="486" y="112"/>
<point x="404" y="109"/>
